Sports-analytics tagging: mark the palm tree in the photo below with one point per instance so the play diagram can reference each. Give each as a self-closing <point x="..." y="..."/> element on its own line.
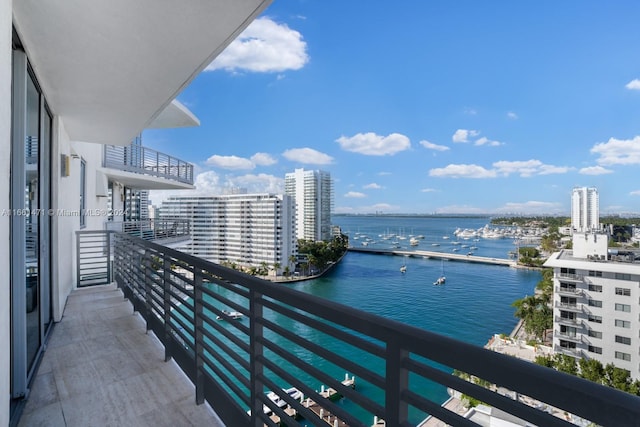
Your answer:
<point x="276" y="267"/>
<point x="292" y="260"/>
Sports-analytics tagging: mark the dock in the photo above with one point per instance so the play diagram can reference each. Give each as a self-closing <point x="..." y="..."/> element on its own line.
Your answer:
<point x="437" y="255"/>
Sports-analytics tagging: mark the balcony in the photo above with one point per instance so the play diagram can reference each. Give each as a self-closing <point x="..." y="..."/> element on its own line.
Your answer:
<point x="570" y="276"/>
<point x="186" y="302"/>
<point x="161" y="230"/>
<point x="563" y="290"/>
<point x="142" y="160"/>
<point x="567" y="321"/>
<point x="574" y="307"/>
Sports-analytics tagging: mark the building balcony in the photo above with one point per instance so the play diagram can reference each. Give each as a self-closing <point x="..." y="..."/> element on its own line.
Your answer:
<point x="563" y="290"/>
<point x="270" y="344"/>
<point x="161" y="230"/>
<point x="136" y="159"/>
<point x="570" y="276"/>
<point x="573" y="307"/>
<point x="568" y="337"/>
<point x="567" y="321"/>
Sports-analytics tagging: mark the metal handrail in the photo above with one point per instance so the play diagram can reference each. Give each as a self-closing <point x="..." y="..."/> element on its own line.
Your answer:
<point x="233" y="363"/>
<point x="153" y="229"/>
<point x="139" y="159"/>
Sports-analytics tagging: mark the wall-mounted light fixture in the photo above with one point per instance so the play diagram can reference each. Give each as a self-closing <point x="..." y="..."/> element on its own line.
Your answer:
<point x="65" y="165"/>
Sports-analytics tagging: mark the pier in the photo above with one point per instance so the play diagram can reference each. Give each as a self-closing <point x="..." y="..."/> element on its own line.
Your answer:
<point x="437" y="255"/>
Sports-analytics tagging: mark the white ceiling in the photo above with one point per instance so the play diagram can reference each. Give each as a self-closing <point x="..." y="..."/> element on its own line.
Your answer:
<point x="109" y="67"/>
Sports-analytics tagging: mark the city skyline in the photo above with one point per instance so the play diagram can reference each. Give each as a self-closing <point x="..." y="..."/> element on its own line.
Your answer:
<point x="424" y="108"/>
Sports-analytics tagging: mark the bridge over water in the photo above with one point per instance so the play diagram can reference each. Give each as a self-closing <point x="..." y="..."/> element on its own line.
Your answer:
<point x="437" y="255"/>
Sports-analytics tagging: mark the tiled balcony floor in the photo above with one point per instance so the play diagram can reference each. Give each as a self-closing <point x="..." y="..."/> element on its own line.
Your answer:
<point x="102" y="369"/>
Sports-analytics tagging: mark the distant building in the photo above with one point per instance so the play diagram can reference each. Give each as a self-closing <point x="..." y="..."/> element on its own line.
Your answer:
<point x="313" y="195"/>
<point x="585" y="209"/>
<point x="596" y="313"/>
<point x="245" y="229"/>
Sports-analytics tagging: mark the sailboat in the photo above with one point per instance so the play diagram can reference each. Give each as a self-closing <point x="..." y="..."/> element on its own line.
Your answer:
<point x="403" y="268"/>
<point x="440" y="280"/>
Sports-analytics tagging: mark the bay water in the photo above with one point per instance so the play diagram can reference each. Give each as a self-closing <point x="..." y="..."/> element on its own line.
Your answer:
<point x="474" y="304"/>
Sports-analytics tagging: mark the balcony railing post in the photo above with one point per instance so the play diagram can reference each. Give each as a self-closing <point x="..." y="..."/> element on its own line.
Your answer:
<point x="256" y="331"/>
<point x="397" y="381"/>
<point x="198" y="335"/>
<point x="109" y="261"/>
<point x="146" y="271"/>
<point x="166" y="271"/>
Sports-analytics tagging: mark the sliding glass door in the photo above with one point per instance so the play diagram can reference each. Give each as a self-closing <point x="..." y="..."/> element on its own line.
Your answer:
<point x="30" y="224"/>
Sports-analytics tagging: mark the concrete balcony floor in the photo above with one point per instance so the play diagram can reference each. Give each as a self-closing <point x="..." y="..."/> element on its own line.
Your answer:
<point x="102" y="368"/>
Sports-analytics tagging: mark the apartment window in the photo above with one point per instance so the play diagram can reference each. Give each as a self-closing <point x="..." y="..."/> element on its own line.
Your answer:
<point x="594" y="349"/>
<point x="623" y="356"/>
<point x="623" y="340"/>
<point x="595" y="303"/>
<point x="595" y="319"/>
<point x="595" y="334"/>
<point x="568" y="330"/>
<point x="568" y="270"/>
<point x="567" y="344"/>
<point x="595" y="288"/>
<point x="595" y="273"/>
<point x="623" y="307"/>
<point x="623" y="323"/>
<point x="623" y="291"/>
<point x="623" y="276"/>
<point x="83" y="192"/>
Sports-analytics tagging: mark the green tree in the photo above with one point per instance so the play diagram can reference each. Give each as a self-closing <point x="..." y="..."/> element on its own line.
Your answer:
<point x="591" y="369"/>
<point x="276" y="267"/>
<point x="617" y="378"/>
<point x="535" y="313"/>
<point x="566" y="364"/>
<point x="545" y="361"/>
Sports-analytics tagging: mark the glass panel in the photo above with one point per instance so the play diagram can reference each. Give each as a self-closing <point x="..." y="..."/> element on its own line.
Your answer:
<point x="45" y="220"/>
<point x="31" y="217"/>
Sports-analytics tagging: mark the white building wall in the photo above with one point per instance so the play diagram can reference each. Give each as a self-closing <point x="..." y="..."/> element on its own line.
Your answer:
<point x="5" y="137"/>
<point x="313" y="193"/>
<point x="247" y="229"/>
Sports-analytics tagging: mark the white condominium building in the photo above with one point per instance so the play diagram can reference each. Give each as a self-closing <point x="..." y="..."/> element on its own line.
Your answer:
<point x="246" y="229"/>
<point x="313" y="194"/>
<point x="596" y="309"/>
<point x="585" y="209"/>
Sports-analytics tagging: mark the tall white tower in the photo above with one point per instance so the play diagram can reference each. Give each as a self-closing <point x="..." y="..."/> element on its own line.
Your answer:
<point x="313" y="194"/>
<point x="585" y="209"/>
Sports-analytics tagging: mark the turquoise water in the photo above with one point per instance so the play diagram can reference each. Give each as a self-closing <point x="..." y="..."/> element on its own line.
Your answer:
<point x="474" y="303"/>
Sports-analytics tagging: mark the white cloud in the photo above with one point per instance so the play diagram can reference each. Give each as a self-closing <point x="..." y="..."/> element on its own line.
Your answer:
<point x="354" y="195"/>
<point x="511" y="115"/>
<point x="463" y="171"/>
<point x="372" y="144"/>
<point x="260" y="183"/>
<point x="470" y="111"/>
<point x="263" y="159"/>
<point x="384" y="173"/>
<point x="264" y="46"/>
<point x="432" y="146"/>
<point x="428" y="190"/>
<point x="373" y="186"/>
<point x="307" y="156"/>
<point x="502" y="168"/>
<point x="230" y="162"/>
<point x="463" y="135"/>
<point x="594" y="170"/>
<point x="487" y="141"/>
<point x="618" y="151"/>
<point x="633" y="84"/>
<point x="528" y="168"/>
<point x="531" y="207"/>
<point x="635" y="193"/>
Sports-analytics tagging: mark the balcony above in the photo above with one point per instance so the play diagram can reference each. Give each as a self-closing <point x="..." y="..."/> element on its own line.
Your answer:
<point x="137" y="166"/>
<point x="168" y="232"/>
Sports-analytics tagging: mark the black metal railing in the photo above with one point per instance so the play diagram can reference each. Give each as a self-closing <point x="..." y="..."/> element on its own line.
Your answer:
<point x="286" y="338"/>
<point x="139" y="159"/>
<point x="154" y="229"/>
<point x="93" y="258"/>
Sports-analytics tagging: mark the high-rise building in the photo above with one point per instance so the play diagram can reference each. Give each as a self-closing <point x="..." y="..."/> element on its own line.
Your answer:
<point x="245" y="229"/>
<point x="313" y="194"/>
<point x="595" y="302"/>
<point x="585" y="209"/>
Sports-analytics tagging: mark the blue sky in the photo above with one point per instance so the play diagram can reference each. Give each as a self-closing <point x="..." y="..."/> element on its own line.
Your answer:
<point x="417" y="106"/>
